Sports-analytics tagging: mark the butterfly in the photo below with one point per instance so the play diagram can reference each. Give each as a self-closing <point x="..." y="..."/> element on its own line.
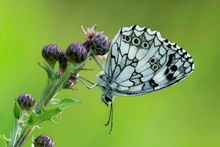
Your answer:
<point x="140" y="61"/>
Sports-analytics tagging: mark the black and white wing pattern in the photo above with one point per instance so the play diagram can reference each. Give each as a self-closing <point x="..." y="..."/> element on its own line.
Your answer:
<point x="141" y="61"/>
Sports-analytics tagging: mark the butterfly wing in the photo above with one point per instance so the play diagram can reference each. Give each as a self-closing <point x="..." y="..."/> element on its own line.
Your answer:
<point x="141" y="61"/>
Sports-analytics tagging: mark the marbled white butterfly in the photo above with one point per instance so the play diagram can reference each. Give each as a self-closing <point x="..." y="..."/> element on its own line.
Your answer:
<point x="141" y="61"/>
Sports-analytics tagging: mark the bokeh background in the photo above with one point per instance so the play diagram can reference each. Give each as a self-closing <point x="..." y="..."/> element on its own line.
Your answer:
<point x="184" y="115"/>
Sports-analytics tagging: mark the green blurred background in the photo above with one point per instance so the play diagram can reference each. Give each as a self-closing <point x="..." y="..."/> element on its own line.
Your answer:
<point x="184" y="115"/>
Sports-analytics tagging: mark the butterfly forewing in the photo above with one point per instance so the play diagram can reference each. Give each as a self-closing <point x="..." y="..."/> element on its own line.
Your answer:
<point x="141" y="61"/>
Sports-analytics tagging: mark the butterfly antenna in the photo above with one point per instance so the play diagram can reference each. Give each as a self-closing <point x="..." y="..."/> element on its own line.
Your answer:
<point x="110" y="119"/>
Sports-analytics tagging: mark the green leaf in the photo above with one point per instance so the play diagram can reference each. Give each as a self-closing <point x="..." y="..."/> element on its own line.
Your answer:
<point x="5" y="140"/>
<point x="82" y="68"/>
<point x="55" y="101"/>
<point x="66" y="102"/>
<point x="17" y="111"/>
<point x="50" y="114"/>
<point x="48" y="69"/>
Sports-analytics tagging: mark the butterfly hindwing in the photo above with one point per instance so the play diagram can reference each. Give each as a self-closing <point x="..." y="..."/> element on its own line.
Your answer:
<point x="141" y="61"/>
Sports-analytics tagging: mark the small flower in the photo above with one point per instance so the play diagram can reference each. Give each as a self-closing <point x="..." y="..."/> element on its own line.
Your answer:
<point x="73" y="79"/>
<point x="102" y="56"/>
<point x="76" y="53"/>
<point x="59" y="73"/>
<point x="62" y="61"/>
<point x="91" y="32"/>
<point x="43" y="141"/>
<point x="26" y="101"/>
<point x="51" y="53"/>
<point x="96" y="42"/>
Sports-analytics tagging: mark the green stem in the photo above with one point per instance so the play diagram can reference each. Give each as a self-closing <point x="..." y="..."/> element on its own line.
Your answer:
<point x="17" y="128"/>
<point x="58" y="84"/>
<point x="27" y="131"/>
<point x="50" y="83"/>
<point x="44" y="95"/>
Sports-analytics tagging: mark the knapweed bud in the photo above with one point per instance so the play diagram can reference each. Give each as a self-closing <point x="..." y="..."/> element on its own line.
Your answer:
<point x="43" y="141"/>
<point x="76" y="53"/>
<point x="73" y="79"/>
<point x="62" y="61"/>
<point x="96" y="42"/>
<point x="59" y="73"/>
<point x="26" y="101"/>
<point x="51" y="53"/>
<point x="99" y="45"/>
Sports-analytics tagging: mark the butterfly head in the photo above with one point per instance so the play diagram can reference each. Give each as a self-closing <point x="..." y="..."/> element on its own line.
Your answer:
<point x="107" y="95"/>
<point x="107" y="100"/>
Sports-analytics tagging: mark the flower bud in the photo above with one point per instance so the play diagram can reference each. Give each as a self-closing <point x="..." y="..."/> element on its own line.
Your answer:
<point x="43" y="141"/>
<point x="62" y="61"/>
<point x="99" y="45"/>
<point x="26" y="101"/>
<point x="76" y="53"/>
<point x="73" y="79"/>
<point x="51" y="53"/>
<point x="59" y="73"/>
<point x="96" y="42"/>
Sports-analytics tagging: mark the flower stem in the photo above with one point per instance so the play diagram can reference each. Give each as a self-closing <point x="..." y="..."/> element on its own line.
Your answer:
<point x="55" y="86"/>
<point x="27" y="131"/>
<point x="58" y="84"/>
<point x="17" y="128"/>
<point x="43" y="97"/>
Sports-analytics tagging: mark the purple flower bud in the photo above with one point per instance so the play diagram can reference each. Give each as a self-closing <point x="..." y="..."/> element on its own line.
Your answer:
<point x="73" y="79"/>
<point x="26" y="101"/>
<point x="59" y="73"/>
<point x="76" y="53"/>
<point x="62" y="61"/>
<point x="99" y="45"/>
<point x="96" y="42"/>
<point x="51" y="53"/>
<point x="43" y="141"/>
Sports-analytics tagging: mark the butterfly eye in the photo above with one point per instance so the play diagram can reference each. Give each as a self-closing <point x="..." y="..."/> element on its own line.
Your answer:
<point x="145" y="45"/>
<point x="153" y="60"/>
<point x="126" y="38"/>
<point x="136" y="41"/>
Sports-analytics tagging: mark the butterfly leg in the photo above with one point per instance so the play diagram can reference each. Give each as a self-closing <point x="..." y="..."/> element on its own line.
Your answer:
<point x="87" y="86"/>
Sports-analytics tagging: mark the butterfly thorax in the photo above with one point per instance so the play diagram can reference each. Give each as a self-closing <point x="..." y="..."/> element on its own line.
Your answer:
<point x="104" y="83"/>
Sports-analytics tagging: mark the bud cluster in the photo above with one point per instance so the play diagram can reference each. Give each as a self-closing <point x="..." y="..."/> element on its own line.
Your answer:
<point x="96" y="44"/>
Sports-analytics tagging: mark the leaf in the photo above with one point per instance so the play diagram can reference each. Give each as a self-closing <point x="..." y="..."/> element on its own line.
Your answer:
<point x="55" y="101"/>
<point x="66" y="102"/>
<point x="5" y="140"/>
<point x="50" y="114"/>
<point x="82" y="68"/>
<point x="48" y="69"/>
<point x="17" y="111"/>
